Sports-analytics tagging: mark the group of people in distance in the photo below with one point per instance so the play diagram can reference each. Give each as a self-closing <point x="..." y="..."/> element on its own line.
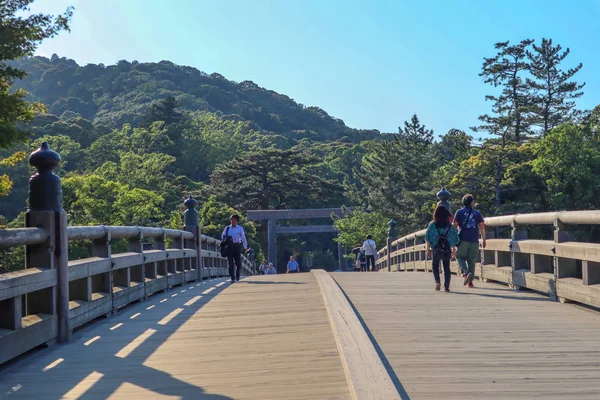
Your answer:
<point x="457" y="236"/>
<point x="365" y="256"/>
<point x="446" y="237"/>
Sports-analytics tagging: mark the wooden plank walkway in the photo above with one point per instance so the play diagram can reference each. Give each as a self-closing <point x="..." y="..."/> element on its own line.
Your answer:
<point x="262" y="338"/>
<point x="488" y="343"/>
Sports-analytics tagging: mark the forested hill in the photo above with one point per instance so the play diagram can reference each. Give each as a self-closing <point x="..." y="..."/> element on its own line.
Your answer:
<point x="113" y="95"/>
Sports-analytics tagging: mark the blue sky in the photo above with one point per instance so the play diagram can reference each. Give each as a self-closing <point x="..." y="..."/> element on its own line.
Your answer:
<point x="372" y="64"/>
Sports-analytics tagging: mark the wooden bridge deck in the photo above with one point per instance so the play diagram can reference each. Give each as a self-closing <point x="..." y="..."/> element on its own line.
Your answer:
<point x="256" y="339"/>
<point x="271" y="337"/>
<point x="488" y="343"/>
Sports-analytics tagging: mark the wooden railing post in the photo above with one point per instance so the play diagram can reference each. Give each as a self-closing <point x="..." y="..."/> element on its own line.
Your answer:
<point x="190" y="224"/>
<point x="563" y="267"/>
<point x="104" y="282"/>
<point x="46" y="211"/>
<point x="137" y="273"/>
<point x="392" y="233"/>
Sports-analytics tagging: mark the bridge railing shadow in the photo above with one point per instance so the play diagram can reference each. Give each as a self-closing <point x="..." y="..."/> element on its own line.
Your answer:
<point x="101" y="360"/>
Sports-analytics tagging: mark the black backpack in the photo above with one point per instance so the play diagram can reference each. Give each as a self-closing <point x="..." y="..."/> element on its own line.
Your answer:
<point x="226" y="244"/>
<point x="441" y="248"/>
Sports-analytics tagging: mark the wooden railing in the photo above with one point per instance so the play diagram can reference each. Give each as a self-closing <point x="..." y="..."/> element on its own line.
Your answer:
<point x="560" y="267"/>
<point x="53" y="295"/>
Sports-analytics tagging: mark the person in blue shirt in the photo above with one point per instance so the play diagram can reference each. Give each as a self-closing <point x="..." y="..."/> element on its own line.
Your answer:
<point x="470" y="224"/>
<point x="441" y="227"/>
<point x="238" y="243"/>
<point x="292" y="266"/>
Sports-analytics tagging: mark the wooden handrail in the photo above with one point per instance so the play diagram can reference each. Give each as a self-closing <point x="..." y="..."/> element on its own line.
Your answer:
<point x="22" y="236"/>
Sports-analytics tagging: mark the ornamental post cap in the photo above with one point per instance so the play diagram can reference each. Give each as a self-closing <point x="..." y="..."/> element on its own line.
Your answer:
<point x="44" y="159"/>
<point x="443" y="194"/>
<point x="190" y="202"/>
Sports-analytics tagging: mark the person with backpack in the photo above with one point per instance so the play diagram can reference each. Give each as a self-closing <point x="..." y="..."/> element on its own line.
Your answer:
<point x="370" y="249"/>
<point x="469" y="223"/>
<point x="441" y="239"/>
<point x="234" y="238"/>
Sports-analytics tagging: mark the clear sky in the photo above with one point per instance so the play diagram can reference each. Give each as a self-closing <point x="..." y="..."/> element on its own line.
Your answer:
<point x="371" y="63"/>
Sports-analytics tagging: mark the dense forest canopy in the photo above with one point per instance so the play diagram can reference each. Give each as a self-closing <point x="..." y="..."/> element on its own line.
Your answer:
<point x="137" y="138"/>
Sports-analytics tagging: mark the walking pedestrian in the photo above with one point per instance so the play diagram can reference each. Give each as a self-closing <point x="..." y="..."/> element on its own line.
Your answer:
<point x="470" y="224"/>
<point x="370" y="249"/>
<point x="237" y="243"/>
<point x="441" y="239"/>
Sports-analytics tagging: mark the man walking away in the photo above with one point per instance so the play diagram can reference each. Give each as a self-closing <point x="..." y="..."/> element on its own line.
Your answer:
<point x="292" y="265"/>
<point x="238" y="239"/>
<point x="370" y="249"/>
<point x="469" y="223"/>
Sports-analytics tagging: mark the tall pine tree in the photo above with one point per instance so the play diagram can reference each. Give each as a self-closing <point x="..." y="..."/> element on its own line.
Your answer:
<point x="511" y="110"/>
<point x="557" y="91"/>
<point x="515" y="102"/>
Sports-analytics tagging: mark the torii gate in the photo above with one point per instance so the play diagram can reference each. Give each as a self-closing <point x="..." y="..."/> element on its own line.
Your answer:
<point x="273" y="229"/>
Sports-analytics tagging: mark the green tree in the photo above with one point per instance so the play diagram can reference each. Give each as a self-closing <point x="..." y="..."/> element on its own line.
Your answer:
<point x="163" y="110"/>
<point x="557" y="92"/>
<point x="512" y="107"/>
<point x="20" y="38"/>
<point x="568" y="160"/>
<point x="510" y="120"/>
<point x="273" y="178"/>
<point x="419" y="163"/>
<point x="354" y="227"/>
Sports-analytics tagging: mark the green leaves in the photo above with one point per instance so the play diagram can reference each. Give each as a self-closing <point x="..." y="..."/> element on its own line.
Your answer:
<point x="20" y="37"/>
<point x="356" y="225"/>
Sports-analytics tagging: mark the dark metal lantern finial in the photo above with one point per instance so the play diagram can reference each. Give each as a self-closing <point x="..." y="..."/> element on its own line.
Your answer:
<point x="45" y="188"/>
<point x="190" y="202"/>
<point x="443" y="195"/>
<point x="392" y="233"/>
<point x="190" y="216"/>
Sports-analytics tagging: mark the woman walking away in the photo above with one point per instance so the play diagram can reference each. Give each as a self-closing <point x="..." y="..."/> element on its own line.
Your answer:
<point x="292" y="266"/>
<point x="370" y="249"/>
<point x="441" y="238"/>
<point x="238" y="239"/>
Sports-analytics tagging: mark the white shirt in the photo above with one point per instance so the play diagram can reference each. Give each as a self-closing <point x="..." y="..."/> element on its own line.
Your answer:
<point x="237" y="234"/>
<point x="369" y="247"/>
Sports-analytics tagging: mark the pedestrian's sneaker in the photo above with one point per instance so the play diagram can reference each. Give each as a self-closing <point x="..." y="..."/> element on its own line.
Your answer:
<point x="447" y="290"/>
<point x="437" y="287"/>
<point x="471" y="285"/>
<point x="468" y="278"/>
<point x="233" y="281"/>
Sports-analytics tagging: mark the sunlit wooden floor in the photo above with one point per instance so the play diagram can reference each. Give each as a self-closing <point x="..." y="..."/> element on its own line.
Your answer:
<point x="484" y="343"/>
<point x="262" y="338"/>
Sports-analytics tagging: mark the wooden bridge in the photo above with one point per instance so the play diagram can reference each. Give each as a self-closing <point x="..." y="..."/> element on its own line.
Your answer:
<point x="149" y="315"/>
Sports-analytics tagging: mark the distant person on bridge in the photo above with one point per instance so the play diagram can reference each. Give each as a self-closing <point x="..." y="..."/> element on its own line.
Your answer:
<point x="469" y="223"/>
<point x="263" y="267"/>
<point x="370" y="249"/>
<point x="441" y="239"/>
<point x="238" y="239"/>
<point x="271" y="269"/>
<point x="292" y="266"/>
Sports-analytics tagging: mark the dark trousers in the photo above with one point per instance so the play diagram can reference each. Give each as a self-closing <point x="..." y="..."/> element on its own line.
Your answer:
<point x="436" y="271"/>
<point x="371" y="262"/>
<point x="235" y="254"/>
